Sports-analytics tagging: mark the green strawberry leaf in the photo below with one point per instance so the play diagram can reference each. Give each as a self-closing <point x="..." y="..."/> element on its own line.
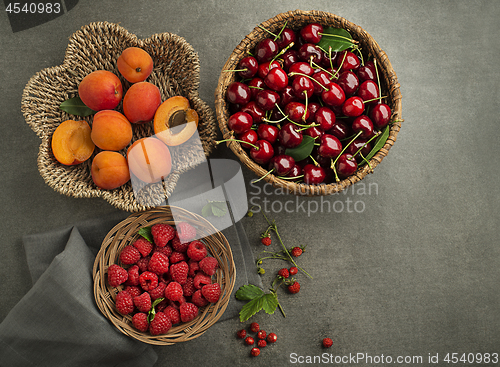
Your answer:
<point x="251" y="308"/>
<point x="75" y="106"/>
<point x="336" y="38"/>
<point x="146" y="233"/>
<point x="214" y="208"/>
<point x="248" y="292"/>
<point x="270" y="302"/>
<point x="303" y="150"/>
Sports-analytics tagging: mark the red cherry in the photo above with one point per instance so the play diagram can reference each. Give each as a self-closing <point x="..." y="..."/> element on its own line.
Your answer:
<point x="340" y="130"/>
<point x="349" y="82"/>
<point x="289" y="136"/>
<point x="267" y="99"/>
<point x="380" y="115"/>
<point x="296" y="171"/>
<point x="268" y="132"/>
<point x="265" y="67"/>
<point x="286" y="37"/>
<point x="283" y="164"/>
<point x="325" y="118"/>
<point x="253" y="110"/>
<point x="311" y="32"/>
<point x="265" y="50"/>
<point x="313" y="175"/>
<point x="347" y="60"/>
<point x="313" y="132"/>
<point x="329" y="146"/>
<point x="353" y="106"/>
<point x="346" y="165"/>
<point x="297" y="112"/>
<point x="368" y="91"/>
<point x="364" y="125"/>
<point x="290" y="57"/>
<point x="367" y="72"/>
<point x="240" y="122"/>
<point x="301" y="67"/>
<point x="287" y="96"/>
<point x="248" y="67"/>
<point x="312" y="108"/>
<point x="238" y="93"/>
<point x="262" y="152"/>
<point x="334" y="95"/>
<point x="256" y="85"/>
<point x="302" y="87"/>
<point x="276" y="79"/>
<point x="249" y="136"/>
<point x="359" y="144"/>
<point x="322" y="79"/>
<point x="309" y="51"/>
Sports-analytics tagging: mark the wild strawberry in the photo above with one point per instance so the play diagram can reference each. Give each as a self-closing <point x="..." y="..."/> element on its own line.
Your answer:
<point x="271" y="338"/>
<point x="162" y="233"/>
<point x="261" y="334"/>
<point x="249" y="340"/>
<point x="161" y="324"/>
<point x="173" y="291"/>
<point x="261" y="343"/>
<point x="294" y="287"/>
<point x="266" y="240"/>
<point x="188" y="311"/>
<point x="211" y="292"/>
<point x="116" y="275"/>
<point x="327" y="342"/>
<point x="124" y="303"/>
<point x="255" y="352"/>
<point x="140" y="321"/>
<point x="143" y="245"/>
<point x="255" y="327"/>
<point x="143" y="302"/>
<point x="296" y="251"/>
<point x="209" y="265"/>
<point x="284" y="273"/>
<point x="293" y="270"/>
<point x="129" y="255"/>
<point x="241" y="334"/>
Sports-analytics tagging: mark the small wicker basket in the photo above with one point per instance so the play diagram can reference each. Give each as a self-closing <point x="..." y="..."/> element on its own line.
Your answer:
<point x="95" y="47"/>
<point x="124" y="233"/>
<point x="295" y="20"/>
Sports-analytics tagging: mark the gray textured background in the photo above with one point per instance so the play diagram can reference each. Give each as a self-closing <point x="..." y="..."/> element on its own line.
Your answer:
<point x="416" y="273"/>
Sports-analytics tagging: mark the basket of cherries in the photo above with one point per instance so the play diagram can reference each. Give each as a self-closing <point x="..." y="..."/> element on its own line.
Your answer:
<point x="309" y="102"/>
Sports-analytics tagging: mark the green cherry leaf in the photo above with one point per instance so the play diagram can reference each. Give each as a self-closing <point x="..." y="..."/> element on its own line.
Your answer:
<point x="75" y="106"/>
<point x="379" y="142"/>
<point x="303" y="150"/>
<point x="248" y="292"/>
<point x="146" y="233"/>
<point x="336" y="38"/>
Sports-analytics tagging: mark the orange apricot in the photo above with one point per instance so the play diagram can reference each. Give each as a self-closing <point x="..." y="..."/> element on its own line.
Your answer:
<point x="134" y="64"/>
<point x="141" y="101"/>
<point x="111" y="130"/>
<point x="175" y="122"/>
<point x="71" y="143"/>
<point x="101" y="90"/>
<point x="149" y="159"/>
<point x="109" y="170"/>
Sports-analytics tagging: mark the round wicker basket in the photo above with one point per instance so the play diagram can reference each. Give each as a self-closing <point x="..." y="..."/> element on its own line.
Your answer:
<point x="96" y="47"/>
<point x="124" y="233"/>
<point x="295" y="20"/>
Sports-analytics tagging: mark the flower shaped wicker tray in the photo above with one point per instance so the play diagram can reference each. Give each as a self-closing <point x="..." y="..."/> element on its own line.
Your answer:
<point x="295" y="20"/>
<point x="97" y="46"/>
<point x="124" y="233"/>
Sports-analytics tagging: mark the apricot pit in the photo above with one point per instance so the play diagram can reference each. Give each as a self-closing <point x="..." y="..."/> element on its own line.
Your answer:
<point x="175" y="121"/>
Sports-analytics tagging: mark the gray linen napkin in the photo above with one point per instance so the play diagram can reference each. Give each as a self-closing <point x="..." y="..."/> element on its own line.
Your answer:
<point x="57" y="323"/>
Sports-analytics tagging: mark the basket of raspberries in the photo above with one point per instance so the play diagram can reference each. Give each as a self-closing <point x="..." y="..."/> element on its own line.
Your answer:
<point x="164" y="276"/>
<point x="309" y="102"/>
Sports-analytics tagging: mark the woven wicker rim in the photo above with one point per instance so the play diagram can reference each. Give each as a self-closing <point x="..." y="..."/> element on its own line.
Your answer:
<point x="97" y="46"/>
<point x="125" y="233"/>
<point x="296" y="19"/>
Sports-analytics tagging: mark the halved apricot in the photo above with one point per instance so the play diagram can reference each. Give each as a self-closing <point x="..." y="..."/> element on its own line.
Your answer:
<point x="71" y="142"/>
<point x="175" y="121"/>
<point x="149" y="159"/>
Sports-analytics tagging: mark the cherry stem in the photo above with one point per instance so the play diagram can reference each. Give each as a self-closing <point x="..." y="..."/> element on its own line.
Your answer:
<point x="280" y="53"/>
<point x="268" y="31"/>
<point x="235" y="70"/>
<point x="275" y="122"/>
<point x="375" y="99"/>
<point x="262" y="177"/>
<point x="316" y="66"/>
<point x="314" y="161"/>
<point x="289" y="119"/>
<point x="239" y="141"/>
<point x="306" y="104"/>
<point x="293" y="73"/>
<point x="378" y="79"/>
<point x="290" y="178"/>
<point x="339" y="36"/>
<point x="281" y="31"/>
<point x="364" y="145"/>
<point x="340" y="66"/>
<point x="335" y="161"/>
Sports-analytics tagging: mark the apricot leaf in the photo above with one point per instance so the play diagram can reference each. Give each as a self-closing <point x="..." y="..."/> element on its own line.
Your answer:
<point x="75" y="106"/>
<point x="336" y="38"/>
<point x="303" y="150"/>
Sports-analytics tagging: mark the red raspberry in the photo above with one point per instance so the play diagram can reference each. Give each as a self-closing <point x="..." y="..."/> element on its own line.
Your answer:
<point x="161" y="324"/>
<point x="197" y="250"/>
<point x="327" y="342"/>
<point x="124" y="303"/>
<point x="271" y="338"/>
<point x="266" y="241"/>
<point x="143" y="245"/>
<point x="185" y="231"/>
<point x="293" y="270"/>
<point x="129" y="255"/>
<point x="188" y="311"/>
<point x="211" y="292"/>
<point x="177" y="257"/>
<point x="140" y="321"/>
<point x="262" y="334"/>
<point x="201" y="279"/>
<point x="284" y="273"/>
<point x="241" y="334"/>
<point x="148" y="280"/>
<point x="173" y="314"/>
<point x="162" y="233"/>
<point x="261" y="343"/>
<point x="167" y="250"/>
<point x="198" y="299"/>
<point x="194" y="266"/>
<point x="255" y="327"/>
<point x="173" y="291"/>
<point x="159" y="263"/>
<point x="296" y="251"/>
<point x="133" y="290"/>
<point x="209" y="265"/>
<point x="158" y="292"/>
<point x="178" y="245"/>
<point x="294" y="287"/>
<point x="143" y="264"/>
<point x="162" y="306"/>
<point x="188" y="287"/>
<point x="133" y="275"/>
<point x="179" y="272"/>
<point x="143" y="302"/>
<point x="249" y="340"/>
<point x="116" y="275"/>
